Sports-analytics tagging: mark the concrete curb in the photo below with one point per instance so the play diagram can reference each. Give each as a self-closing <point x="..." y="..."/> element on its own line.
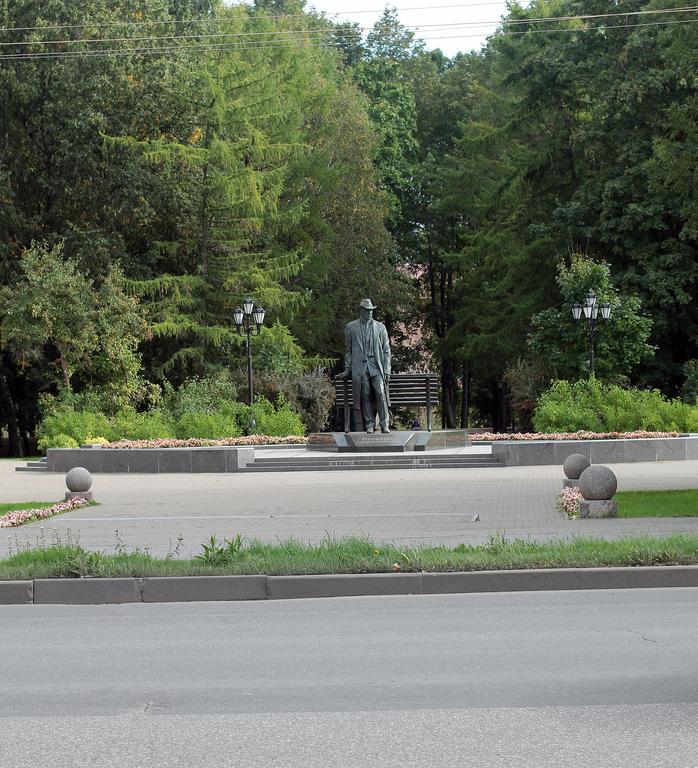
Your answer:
<point x="16" y="592"/>
<point x="166" y="589"/>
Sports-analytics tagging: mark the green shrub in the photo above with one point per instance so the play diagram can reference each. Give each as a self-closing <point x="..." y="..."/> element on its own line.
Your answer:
<point x="90" y="440"/>
<point x="280" y="420"/>
<point x="57" y="441"/>
<point x="311" y="395"/>
<point x="692" y="425"/>
<point x="65" y="427"/>
<point x="80" y="426"/>
<point x="207" y="425"/>
<point x="132" y="425"/>
<point x="211" y="394"/>
<point x="75" y="424"/>
<point x="689" y="390"/>
<point x="597" y="407"/>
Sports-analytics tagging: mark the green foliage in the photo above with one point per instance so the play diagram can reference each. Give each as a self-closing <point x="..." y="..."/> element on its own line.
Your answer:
<point x="215" y="554"/>
<point x="210" y="425"/>
<point x="526" y="382"/>
<point x="597" y="407"/>
<point x="276" y="352"/>
<point x="311" y="395"/>
<point x="194" y="415"/>
<point x="620" y="342"/>
<point x="689" y="390"/>
<point x="135" y="425"/>
<point x="280" y="420"/>
<point x="208" y="395"/>
<point x="231" y="237"/>
<point x="77" y="425"/>
<point x="84" y="330"/>
<point x="81" y="425"/>
<point x="51" y="305"/>
<point x="235" y="556"/>
<point x="57" y="441"/>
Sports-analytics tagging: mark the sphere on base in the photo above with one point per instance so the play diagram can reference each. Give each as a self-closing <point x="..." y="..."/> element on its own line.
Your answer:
<point x="598" y="483"/>
<point x="78" y="480"/>
<point x="574" y="465"/>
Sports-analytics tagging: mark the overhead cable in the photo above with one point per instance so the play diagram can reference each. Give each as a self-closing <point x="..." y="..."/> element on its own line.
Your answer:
<point x="226" y="19"/>
<point x="338" y="31"/>
<point x="311" y="42"/>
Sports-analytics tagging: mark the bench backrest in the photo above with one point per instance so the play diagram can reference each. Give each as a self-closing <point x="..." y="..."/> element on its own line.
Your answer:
<point x="404" y="389"/>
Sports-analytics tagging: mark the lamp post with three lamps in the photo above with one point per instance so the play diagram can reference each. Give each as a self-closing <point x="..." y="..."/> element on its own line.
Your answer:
<point x="590" y="309"/>
<point x="248" y="321"/>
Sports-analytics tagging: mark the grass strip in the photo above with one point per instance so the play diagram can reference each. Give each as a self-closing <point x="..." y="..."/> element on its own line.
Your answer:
<point x="14" y="506"/>
<point x="658" y="503"/>
<point x="354" y="556"/>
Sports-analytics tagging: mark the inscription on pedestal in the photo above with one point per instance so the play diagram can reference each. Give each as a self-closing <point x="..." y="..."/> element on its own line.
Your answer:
<point x="394" y="442"/>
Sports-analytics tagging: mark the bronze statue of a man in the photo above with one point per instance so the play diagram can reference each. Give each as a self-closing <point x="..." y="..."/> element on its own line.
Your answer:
<point x="367" y="361"/>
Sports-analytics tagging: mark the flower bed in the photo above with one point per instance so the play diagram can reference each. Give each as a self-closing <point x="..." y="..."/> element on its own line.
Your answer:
<point x="198" y="442"/>
<point x="22" y="516"/>
<point x="568" y="502"/>
<point x="499" y="436"/>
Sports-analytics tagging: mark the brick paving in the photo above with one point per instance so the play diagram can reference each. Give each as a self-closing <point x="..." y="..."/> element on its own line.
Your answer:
<point x="406" y="506"/>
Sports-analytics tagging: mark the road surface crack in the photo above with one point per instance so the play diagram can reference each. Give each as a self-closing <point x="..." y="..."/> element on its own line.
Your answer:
<point x="641" y="634"/>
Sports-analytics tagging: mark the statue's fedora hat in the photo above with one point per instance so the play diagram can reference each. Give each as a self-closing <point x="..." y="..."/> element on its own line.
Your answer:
<point x="367" y="304"/>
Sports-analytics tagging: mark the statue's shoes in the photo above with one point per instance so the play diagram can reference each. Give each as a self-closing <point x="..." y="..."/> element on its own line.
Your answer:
<point x="369" y="430"/>
<point x="385" y="430"/>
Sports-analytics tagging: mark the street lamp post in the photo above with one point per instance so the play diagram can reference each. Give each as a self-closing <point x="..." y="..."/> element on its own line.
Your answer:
<point x="589" y="311"/>
<point x="248" y="322"/>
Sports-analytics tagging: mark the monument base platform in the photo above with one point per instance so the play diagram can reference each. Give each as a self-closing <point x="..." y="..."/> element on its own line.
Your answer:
<point x="397" y="441"/>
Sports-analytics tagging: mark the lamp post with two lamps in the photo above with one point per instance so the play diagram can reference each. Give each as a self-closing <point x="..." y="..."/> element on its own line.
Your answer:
<point x="248" y="321"/>
<point x="590" y="309"/>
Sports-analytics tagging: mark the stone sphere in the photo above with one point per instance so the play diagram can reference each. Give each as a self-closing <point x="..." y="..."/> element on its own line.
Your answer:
<point x="574" y="465"/>
<point x="597" y="483"/>
<point x="78" y="480"/>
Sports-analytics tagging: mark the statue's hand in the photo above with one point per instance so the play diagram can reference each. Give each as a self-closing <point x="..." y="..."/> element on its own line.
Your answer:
<point x="344" y="375"/>
<point x="386" y="378"/>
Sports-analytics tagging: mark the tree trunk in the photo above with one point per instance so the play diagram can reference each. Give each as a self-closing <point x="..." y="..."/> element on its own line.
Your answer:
<point x="499" y="407"/>
<point x="448" y="415"/>
<point x="64" y="369"/>
<point x="465" y="395"/>
<point x="14" y="442"/>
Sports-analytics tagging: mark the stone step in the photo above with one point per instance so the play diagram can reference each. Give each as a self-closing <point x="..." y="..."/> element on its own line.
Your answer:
<point x="28" y="468"/>
<point x="376" y="459"/>
<point x="326" y="467"/>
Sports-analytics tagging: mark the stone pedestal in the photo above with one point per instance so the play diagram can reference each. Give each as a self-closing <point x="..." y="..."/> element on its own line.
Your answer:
<point x="87" y="495"/>
<point x="588" y="508"/>
<point x="569" y="483"/>
<point x="397" y="441"/>
<point x="393" y="442"/>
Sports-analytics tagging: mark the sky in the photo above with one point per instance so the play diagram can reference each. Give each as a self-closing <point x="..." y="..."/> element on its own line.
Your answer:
<point x="475" y="19"/>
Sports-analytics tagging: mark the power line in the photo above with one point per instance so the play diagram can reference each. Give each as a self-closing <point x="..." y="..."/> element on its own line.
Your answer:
<point x="223" y="19"/>
<point x="313" y="42"/>
<point x="334" y="31"/>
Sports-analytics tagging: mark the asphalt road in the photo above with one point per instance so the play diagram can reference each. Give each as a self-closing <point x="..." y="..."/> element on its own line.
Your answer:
<point x="595" y="678"/>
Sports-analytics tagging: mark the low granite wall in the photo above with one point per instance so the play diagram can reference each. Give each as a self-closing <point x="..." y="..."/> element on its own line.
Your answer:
<point x="150" y="460"/>
<point x="528" y="453"/>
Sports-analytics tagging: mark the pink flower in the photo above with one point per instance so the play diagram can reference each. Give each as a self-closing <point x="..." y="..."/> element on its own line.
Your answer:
<point x="580" y="435"/>
<point x="22" y="516"/>
<point x="568" y="501"/>
<point x="198" y="442"/>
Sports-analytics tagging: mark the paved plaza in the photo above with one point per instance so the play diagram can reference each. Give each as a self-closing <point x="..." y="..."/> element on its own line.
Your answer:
<point x="410" y="506"/>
